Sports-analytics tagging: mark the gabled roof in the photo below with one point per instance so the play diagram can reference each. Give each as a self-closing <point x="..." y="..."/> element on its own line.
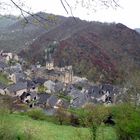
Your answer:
<point x="107" y="87"/>
<point x="38" y="80"/>
<point x="78" y="98"/>
<point x="52" y="100"/>
<point x="3" y="65"/>
<point x="98" y="91"/>
<point x="18" y="86"/>
<point x="30" y="84"/>
<point x="43" y="97"/>
<point x="58" y="86"/>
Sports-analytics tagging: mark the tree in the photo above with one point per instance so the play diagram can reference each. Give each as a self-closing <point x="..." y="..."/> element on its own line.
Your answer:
<point x="130" y="73"/>
<point x="127" y="122"/>
<point x="92" y="116"/>
<point x="97" y="115"/>
<point x="133" y="86"/>
<point x="61" y="115"/>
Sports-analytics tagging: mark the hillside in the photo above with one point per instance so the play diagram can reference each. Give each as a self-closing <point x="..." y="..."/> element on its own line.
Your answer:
<point x="94" y="49"/>
<point x="19" y="34"/>
<point x="42" y="130"/>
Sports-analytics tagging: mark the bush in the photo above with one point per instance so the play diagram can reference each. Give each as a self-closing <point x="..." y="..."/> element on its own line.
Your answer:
<point x="36" y="114"/>
<point x="127" y="122"/>
<point x="62" y="116"/>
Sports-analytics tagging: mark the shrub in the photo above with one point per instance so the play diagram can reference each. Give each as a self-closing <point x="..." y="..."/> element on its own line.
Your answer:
<point x="127" y="122"/>
<point x="36" y="114"/>
<point x="62" y="116"/>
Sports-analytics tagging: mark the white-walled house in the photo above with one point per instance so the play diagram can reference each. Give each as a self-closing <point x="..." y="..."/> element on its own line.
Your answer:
<point x="2" y="89"/>
<point x="16" y="89"/>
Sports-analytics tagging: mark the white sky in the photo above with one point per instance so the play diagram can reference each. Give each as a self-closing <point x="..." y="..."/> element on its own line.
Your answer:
<point x="129" y="14"/>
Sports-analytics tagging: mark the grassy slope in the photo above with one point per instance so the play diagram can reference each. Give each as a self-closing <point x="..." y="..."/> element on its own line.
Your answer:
<point x="48" y="131"/>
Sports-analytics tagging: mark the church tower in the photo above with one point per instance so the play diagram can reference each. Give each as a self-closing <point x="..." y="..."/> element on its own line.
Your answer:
<point x="49" y="60"/>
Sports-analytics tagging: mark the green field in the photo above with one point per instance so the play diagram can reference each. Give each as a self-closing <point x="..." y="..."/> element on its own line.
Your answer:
<point x="43" y="130"/>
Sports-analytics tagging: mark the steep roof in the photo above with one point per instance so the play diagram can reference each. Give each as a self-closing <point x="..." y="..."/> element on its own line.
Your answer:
<point x="107" y="87"/>
<point x="43" y="97"/>
<point x="52" y="100"/>
<point x="18" y="86"/>
<point x="38" y="80"/>
<point x="3" y="65"/>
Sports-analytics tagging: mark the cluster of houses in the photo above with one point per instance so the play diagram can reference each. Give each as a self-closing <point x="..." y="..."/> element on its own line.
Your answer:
<point x="50" y="86"/>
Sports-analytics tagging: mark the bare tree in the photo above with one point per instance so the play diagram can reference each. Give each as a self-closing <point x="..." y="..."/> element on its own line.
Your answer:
<point x="134" y="86"/>
<point x="131" y="81"/>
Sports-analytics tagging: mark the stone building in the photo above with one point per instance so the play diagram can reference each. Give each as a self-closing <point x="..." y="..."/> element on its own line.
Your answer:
<point x="63" y="74"/>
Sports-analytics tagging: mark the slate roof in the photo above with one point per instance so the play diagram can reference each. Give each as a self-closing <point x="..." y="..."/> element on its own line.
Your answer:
<point x="11" y="70"/>
<point x="18" y="86"/>
<point x="39" y="80"/>
<point x="50" y="85"/>
<point x="58" y="86"/>
<point x="54" y="72"/>
<point x="95" y="91"/>
<point x="79" y="98"/>
<point x="52" y="100"/>
<point x="107" y="87"/>
<point x="20" y="76"/>
<point x="43" y="97"/>
<point x="99" y="90"/>
<point x="30" y="84"/>
<point x="3" y="65"/>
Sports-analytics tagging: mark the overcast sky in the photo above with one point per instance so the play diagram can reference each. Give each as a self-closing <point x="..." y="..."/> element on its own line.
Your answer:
<point x="128" y="14"/>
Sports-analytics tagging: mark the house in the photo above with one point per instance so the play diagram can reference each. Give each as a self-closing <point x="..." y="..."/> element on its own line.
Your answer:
<point x="30" y="98"/>
<point x="16" y="57"/>
<point x="42" y="99"/>
<point x="55" y="102"/>
<point x="3" y="65"/>
<point x="2" y="89"/>
<point x="17" y="67"/>
<point x="54" y="87"/>
<point x="31" y="86"/>
<point x="38" y="80"/>
<point x="50" y="86"/>
<point x="16" y="89"/>
<point x="16" y="77"/>
<point x="104" y="93"/>
<point x="79" y="79"/>
<point x="52" y="100"/>
<point x="9" y="56"/>
<point x="78" y="98"/>
<point x="61" y="103"/>
<point x="59" y="86"/>
<point x="62" y="74"/>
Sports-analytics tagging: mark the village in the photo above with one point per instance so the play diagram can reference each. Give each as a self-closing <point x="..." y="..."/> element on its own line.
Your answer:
<point x="50" y="86"/>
